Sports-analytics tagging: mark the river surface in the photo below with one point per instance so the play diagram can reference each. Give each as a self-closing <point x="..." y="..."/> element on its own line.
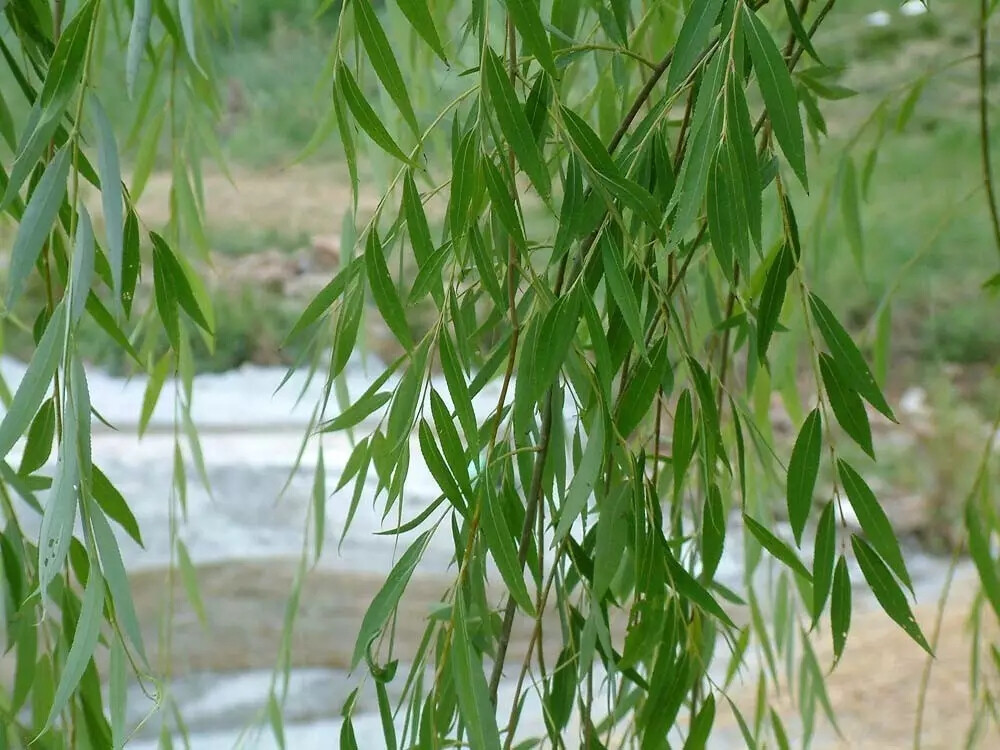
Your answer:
<point x="246" y="543"/>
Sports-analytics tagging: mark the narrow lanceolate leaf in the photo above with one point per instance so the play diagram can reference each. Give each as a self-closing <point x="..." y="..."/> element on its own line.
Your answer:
<point x="641" y="390"/>
<point x="189" y="577"/>
<point x="319" y="503"/>
<point x="514" y="124"/>
<point x="118" y="693"/>
<point x="109" y="169"/>
<point x="778" y="91"/>
<point x="88" y="629"/>
<point x="802" y="471"/>
<point x="840" y="607"/>
<point x="358" y="411"/>
<point x="743" y="155"/>
<point x="848" y="358"/>
<point x="82" y="274"/>
<point x="365" y="116"/>
<point x="692" y="40"/>
<point x="713" y="532"/>
<point x="40" y="435"/>
<point x="439" y="468"/>
<point x="500" y="541"/>
<point x="977" y="525"/>
<point x="35" y="382"/>
<point x="529" y="24"/>
<point x="387" y="598"/>
<point x="701" y="726"/>
<point x="772" y="298"/>
<point x="887" y="591"/>
<point x="621" y="290"/>
<point x="688" y="587"/>
<point x="470" y="684"/>
<point x="723" y="222"/>
<point x="582" y="486"/>
<point x="36" y="222"/>
<point x="873" y="520"/>
<point x="458" y="387"/>
<point x="801" y="35"/>
<point x="325" y="298"/>
<point x="850" y="210"/>
<point x="179" y="284"/>
<point x="683" y="438"/>
<point x="847" y="405"/>
<point x="776" y="547"/>
<point x="67" y="63"/>
<point x="117" y="580"/>
<point x="186" y="11"/>
<point x="142" y="16"/>
<point x="823" y="554"/>
<point x="504" y="208"/>
<point x="60" y="508"/>
<point x="416" y="220"/>
<point x="420" y="19"/>
<point x="383" y="59"/>
<point x="384" y="291"/>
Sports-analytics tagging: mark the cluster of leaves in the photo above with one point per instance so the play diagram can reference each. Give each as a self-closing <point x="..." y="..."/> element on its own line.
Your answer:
<point x="636" y="345"/>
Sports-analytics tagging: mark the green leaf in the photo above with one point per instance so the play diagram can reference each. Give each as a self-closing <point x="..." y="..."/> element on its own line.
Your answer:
<point x="582" y="486"/>
<point x="823" y="555"/>
<point x="873" y="520"/>
<point x="713" y="532"/>
<point x="778" y="91"/>
<point x="457" y="386"/>
<point x="977" y="524"/>
<point x="723" y="220"/>
<point x="689" y="588"/>
<point x="514" y="124"/>
<point x="319" y="503"/>
<point x="454" y="452"/>
<point x="772" y="298"/>
<point x="439" y="468"/>
<point x="683" y="438"/>
<point x="416" y="220"/>
<point x="801" y="35"/>
<point x="589" y="145"/>
<point x="642" y="387"/>
<point x="420" y="19"/>
<point x="701" y="726"/>
<point x="370" y="122"/>
<point x="383" y="59"/>
<point x="82" y="274"/>
<point x="887" y="591"/>
<point x="850" y="210"/>
<point x="182" y="285"/>
<point x="35" y="381"/>
<point x="472" y="692"/>
<point x="430" y="274"/>
<point x="88" y="629"/>
<point x="803" y="467"/>
<point x="113" y="504"/>
<point x="142" y="16"/>
<point x="848" y="358"/>
<point x="621" y="290"/>
<point x="384" y="291"/>
<point x="500" y="542"/>
<point x="130" y="261"/>
<point x="117" y="580"/>
<point x="692" y="40"/>
<point x="847" y="405"/>
<point x="36" y="222"/>
<point x="145" y="157"/>
<point x="111" y="193"/>
<point x="503" y="204"/>
<point x="190" y="579"/>
<point x="357" y="412"/>
<point x="118" y="693"/>
<point x="66" y="64"/>
<point x="40" y="435"/>
<point x="324" y="299"/>
<point x="165" y="294"/>
<point x="186" y="11"/>
<point x="387" y="598"/>
<point x="776" y="547"/>
<point x="528" y="22"/>
<point x="706" y="130"/>
<point x="274" y="716"/>
<point x="612" y="538"/>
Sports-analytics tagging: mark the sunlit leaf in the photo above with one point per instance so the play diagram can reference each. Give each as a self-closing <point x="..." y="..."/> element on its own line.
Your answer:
<point x="382" y="59"/>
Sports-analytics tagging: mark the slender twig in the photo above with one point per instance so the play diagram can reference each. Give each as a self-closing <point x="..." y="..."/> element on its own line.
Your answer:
<point x="984" y="123"/>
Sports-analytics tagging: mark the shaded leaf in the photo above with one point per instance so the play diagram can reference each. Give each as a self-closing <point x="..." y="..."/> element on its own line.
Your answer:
<point x="887" y="591"/>
<point x="873" y="520"/>
<point x="802" y="471"/>
<point x="142" y="16"/>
